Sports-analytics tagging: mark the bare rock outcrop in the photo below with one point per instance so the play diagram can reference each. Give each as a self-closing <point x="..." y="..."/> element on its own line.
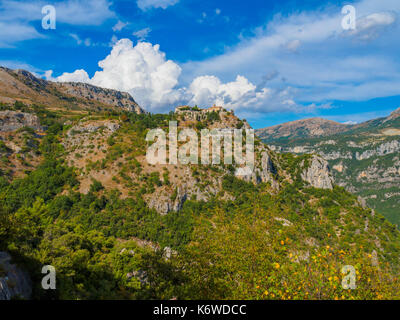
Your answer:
<point x="163" y="202"/>
<point x="14" y="120"/>
<point x="13" y="281"/>
<point x="318" y="173"/>
<point x="263" y="172"/>
<point x="383" y="149"/>
<point x="112" y="97"/>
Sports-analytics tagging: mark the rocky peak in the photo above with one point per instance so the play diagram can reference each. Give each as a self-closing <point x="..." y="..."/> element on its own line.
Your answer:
<point x="30" y="80"/>
<point x="216" y="117"/>
<point x="197" y="114"/>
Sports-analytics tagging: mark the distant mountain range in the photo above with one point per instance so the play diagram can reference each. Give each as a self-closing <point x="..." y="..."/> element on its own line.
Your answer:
<point x="314" y="127"/>
<point x="364" y="157"/>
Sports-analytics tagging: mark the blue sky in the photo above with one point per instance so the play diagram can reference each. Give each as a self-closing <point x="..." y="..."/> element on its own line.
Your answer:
<point x="270" y="61"/>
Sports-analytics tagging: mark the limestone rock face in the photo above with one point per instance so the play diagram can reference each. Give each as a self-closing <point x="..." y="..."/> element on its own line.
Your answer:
<point x="13" y="281"/>
<point x="163" y="203"/>
<point x="14" y="120"/>
<point x="267" y="168"/>
<point x="91" y="127"/>
<point x="263" y="171"/>
<point x="116" y="98"/>
<point x="318" y="174"/>
<point x="383" y="149"/>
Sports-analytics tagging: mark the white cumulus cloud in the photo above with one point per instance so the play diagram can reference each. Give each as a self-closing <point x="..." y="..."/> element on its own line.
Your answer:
<point x="76" y="76"/>
<point x="208" y="90"/>
<point x="144" y="71"/>
<point x="141" y="70"/>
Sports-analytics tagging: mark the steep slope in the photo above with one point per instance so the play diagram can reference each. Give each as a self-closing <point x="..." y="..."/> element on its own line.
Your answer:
<point x="115" y="226"/>
<point x="365" y="159"/>
<point x="29" y="106"/>
<point x="21" y="85"/>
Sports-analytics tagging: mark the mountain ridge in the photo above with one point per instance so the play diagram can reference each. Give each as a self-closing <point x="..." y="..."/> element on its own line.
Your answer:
<point x="21" y="85"/>
<point x="303" y="128"/>
<point x="313" y="127"/>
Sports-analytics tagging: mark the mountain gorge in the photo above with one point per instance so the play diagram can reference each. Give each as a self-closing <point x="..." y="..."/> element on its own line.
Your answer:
<point x="77" y="193"/>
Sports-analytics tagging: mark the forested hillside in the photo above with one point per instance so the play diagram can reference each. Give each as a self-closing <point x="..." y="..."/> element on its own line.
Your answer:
<point x="81" y="197"/>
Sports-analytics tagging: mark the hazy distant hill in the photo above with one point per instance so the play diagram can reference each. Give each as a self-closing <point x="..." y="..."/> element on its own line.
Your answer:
<point x="315" y="127"/>
<point x="364" y="157"/>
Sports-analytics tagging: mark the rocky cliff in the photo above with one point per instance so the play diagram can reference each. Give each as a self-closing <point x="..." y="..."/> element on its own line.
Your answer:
<point x="14" y="283"/>
<point x="115" y="98"/>
<point x="14" y="120"/>
<point x="318" y="173"/>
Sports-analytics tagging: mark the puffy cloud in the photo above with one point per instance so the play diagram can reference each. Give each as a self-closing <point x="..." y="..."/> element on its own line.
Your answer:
<point x="208" y="90"/>
<point x="245" y="97"/>
<point x="145" y="73"/>
<point x="149" y="4"/>
<point x="141" y="70"/>
<point x="76" y="76"/>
